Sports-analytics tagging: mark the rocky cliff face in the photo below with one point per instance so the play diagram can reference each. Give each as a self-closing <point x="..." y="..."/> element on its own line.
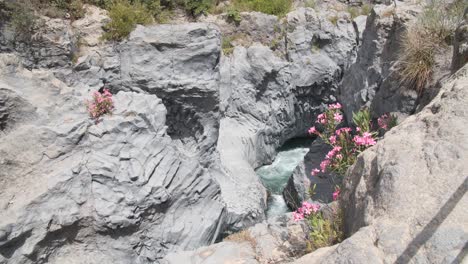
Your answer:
<point x="372" y="81"/>
<point x="118" y="191"/>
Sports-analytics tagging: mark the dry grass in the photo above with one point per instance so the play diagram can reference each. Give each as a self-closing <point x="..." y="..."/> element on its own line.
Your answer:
<point x="390" y="11"/>
<point x="417" y="59"/>
<point x="430" y="34"/>
<point x="242" y="236"/>
<point x="333" y="19"/>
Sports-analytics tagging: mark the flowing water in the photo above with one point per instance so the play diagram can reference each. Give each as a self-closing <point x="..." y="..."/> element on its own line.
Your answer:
<point x="276" y="175"/>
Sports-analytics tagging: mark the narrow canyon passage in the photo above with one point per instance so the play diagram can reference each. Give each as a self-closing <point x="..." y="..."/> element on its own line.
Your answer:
<point x="275" y="176"/>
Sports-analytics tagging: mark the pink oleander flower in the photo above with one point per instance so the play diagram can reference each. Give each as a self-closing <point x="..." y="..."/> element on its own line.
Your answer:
<point x="322" y="118"/>
<point x="336" y="194"/>
<point x="337" y="149"/>
<point x="365" y="140"/>
<point x="339" y="156"/>
<point x="335" y="106"/>
<point x="100" y="104"/>
<point x="332" y="139"/>
<point x="313" y="130"/>
<point x="297" y="216"/>
<point x="342" y="130"/>
<point x="315" y="208"/>
<point x="384" y="121"/>
<point x="306" y="208"/>
<point x="324" y="164"/>
<point x="338" y="117"/>
<point x="315" y="172"/>
<point x="358" y="129"/>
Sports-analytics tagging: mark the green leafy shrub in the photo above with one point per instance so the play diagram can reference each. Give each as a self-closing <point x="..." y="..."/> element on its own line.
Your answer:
<point x="353" y="11"/>
<point x="21" y="19"/>
<point x="198" y="7"/>
<point x="310" y="3"/>
<point x="362" y="119"/>
<point x="366" y="9"/>
<point x="124" y="17"/>
<point x="75" y="9"/>
<point x="227" y="46"/>
<point x="439" y="19"/>
<point x="325" y="232"/>
<point x="272" y="7"/>
<point x="100" y="3"/>
<point x="233" y="15"/>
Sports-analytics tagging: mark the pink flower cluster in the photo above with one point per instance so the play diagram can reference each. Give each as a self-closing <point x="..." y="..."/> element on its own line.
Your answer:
<point x="365" y="140"/>
<point x="345" y="143"/>
<point x="336" y="194"/>
<point x="385" y="121"/>
<point x="101" y="104"/>
<point x="322" y="119"/>
<point x="334" y="106"/>
<point x="338" y="132"/>
<point x="305" y="210"/>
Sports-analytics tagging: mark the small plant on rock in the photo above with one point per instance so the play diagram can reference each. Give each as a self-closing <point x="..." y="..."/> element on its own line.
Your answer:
<point x="100" y="105"/>
<point x="198" y="7"/>
<point x="233" y="15"/>
<point x="124" y="18"/>
<point x="334" y="20"/>
<point x="273" y="7"/>
<point x="353" y="12"/>
<point x="387" y="121"/>
<point x="417" y="58"/>
<point x="366" y="9"/>
<point x="324" y="232"/>
<point x="227" y="46"/>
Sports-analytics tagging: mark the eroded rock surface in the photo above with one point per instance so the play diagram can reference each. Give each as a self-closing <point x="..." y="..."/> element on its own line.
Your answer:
<point x="372" y="80"/>
<point x="277" y="240"/>
<point x="418" y="173"/>
<point x="173" y="168"/>
<point x="117" y="191"/>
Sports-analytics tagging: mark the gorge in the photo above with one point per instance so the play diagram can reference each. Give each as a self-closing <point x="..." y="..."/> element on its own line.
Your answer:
<point x="180" y="171"/>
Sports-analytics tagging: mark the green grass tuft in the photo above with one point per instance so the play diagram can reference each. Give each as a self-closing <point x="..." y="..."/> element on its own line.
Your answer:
<point x="124" y="18"/>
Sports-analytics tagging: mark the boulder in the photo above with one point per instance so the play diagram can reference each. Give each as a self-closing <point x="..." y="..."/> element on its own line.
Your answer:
<point x="220" y="253"/>
<point x="115" y="191"/>
<point x="178" y="63"/>
<point x="310" y="32"/>
<point x="416" y="173"/>
<point x="277" y="240"/>
<point x="301" y="181"/>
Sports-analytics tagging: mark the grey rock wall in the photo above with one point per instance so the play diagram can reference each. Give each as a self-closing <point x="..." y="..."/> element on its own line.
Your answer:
<point x="119" y="191"/>
<point x="372" y="81"/>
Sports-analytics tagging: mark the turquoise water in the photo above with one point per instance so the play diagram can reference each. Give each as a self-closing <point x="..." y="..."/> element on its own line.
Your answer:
<point x="276" y="175"/>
